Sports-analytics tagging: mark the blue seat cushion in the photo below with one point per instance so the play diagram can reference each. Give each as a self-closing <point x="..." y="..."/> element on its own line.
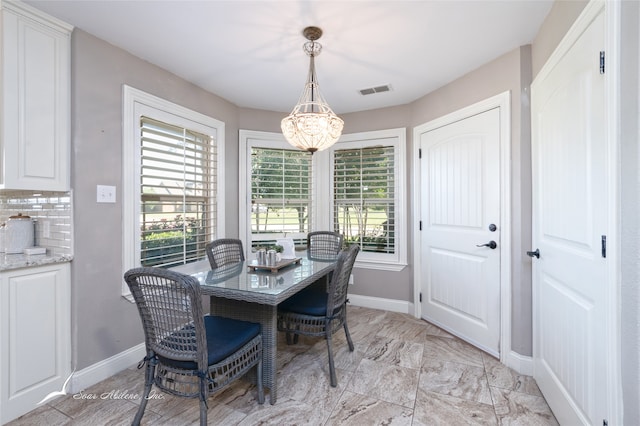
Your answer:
<point x="225" y="336"/>
<point x="310" y="301"/>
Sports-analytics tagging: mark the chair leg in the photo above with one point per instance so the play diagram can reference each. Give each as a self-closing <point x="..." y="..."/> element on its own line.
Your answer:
<point x="148" y="383"/>
<point x="203" y="401"/>
<point x="346" y="329"/>
<point x="296" y="336"/>
<point x="203" y="413"/>
<point x="288" y="334"/>
<point x="332" y="368"/>
<point x="259" y="382"/>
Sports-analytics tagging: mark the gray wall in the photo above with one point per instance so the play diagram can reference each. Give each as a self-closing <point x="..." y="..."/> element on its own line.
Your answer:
<point x="383" y="284"/>
<point x="105" y="323"/>
<point x="375" y="283"/>
<point x="630" y="209"/>
<point x="560" y="18"/>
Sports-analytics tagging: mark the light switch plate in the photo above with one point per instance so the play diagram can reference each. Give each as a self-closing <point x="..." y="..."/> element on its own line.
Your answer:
<point x="106" y="194"/>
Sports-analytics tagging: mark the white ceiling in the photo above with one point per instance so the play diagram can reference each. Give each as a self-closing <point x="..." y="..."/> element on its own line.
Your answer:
<point x="250" y="52"/>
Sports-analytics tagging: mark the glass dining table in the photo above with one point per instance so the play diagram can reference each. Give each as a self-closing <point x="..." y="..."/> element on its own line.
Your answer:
<point x="246" y="292"/>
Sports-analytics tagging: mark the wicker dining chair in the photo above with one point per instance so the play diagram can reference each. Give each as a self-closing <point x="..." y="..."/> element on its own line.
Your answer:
<point x="324" y="245"/>
<point x="189" y="354"/>
<point x="318" y="313"/>
<point x="224" y="251"/>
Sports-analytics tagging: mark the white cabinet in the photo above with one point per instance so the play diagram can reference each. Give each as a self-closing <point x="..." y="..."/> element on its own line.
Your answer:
<point x="35" y="336"/>
<point x="35" y="100"/>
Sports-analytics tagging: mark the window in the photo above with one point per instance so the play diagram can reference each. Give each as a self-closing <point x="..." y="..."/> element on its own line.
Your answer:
<point x="363" y="197"/>
<point x="280" y="194"/>
<point x="172" y="182"/>
<point x="356" y="187"/>
<point x="177" y="207"/>
<point x="279" y="186"/>
<point x="367" y="196"/>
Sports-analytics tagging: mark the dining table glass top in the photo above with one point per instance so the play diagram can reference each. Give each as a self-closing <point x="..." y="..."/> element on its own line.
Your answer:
<point x="241" y="281"/>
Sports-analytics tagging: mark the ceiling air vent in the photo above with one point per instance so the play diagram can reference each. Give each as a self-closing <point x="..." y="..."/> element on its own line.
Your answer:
<point x="372" y="90"/>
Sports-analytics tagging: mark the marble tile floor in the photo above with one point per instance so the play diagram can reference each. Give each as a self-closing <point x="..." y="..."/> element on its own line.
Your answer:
<point x="403" y="371"/>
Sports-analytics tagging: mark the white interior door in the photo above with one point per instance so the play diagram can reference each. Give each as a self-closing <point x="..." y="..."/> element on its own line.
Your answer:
<point x="569" y="223"/>
<point x="460" y="241"/>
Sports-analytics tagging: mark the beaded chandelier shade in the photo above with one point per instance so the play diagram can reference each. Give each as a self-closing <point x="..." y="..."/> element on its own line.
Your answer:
<point x="312" y="125"/>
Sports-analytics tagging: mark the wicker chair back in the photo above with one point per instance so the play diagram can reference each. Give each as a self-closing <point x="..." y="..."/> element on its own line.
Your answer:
<point x="173" y="324"/>
<point x="224" y="251"/>
<point x="338" y="286"/>
<point x="324" y="245"/>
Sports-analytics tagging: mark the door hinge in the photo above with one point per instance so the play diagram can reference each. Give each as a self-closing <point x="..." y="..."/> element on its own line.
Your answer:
<point x="602" y="62"/>
<point x="421" y="225"/>
<point x="603" y="245"/>
<point x="420" y="296"/>
<point x="419" y="152"/>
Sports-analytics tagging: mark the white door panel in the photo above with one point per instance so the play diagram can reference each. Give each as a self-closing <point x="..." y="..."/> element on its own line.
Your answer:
<point x="451" y="273"/>
<point x="460" y="177"/>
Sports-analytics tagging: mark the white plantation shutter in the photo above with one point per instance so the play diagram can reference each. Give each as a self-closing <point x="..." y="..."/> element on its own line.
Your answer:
<point x="364" y="197"/>
<point x="280" y="194"/>
<point x="178" y="181"/>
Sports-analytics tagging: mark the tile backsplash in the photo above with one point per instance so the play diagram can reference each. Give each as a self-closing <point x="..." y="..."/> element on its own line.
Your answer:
<point x="51" y="212"/>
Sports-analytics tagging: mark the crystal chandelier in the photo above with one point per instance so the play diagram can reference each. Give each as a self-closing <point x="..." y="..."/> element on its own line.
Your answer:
<point x="312" y="125"/>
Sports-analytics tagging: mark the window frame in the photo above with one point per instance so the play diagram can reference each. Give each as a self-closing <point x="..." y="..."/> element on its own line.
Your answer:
<point x="322" y="189"/>
<point x="137" y="103"/>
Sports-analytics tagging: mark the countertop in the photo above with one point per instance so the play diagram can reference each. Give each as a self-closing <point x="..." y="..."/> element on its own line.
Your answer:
<point x="17" y="261"/>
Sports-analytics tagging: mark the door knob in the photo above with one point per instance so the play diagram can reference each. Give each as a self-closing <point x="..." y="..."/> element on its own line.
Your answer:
<point x="491" y="244"/>
<point x="534" y="253"/>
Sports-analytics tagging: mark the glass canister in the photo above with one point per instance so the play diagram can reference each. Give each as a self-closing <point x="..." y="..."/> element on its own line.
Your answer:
<point x="18" y="234"/>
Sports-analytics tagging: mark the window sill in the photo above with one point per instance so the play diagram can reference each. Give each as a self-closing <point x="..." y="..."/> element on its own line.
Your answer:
<point x="381" y="266"/>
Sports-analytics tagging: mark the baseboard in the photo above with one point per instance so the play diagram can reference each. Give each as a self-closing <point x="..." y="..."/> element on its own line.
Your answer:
<point x="521" y="363"/>
<point x="392" y="305"/>
<point x="106" y="368"/>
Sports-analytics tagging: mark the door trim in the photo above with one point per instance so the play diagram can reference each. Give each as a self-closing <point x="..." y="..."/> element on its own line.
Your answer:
<point x="503" y="102"/>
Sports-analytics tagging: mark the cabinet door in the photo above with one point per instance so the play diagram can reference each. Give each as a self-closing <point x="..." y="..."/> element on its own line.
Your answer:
<point x="36" y="336"/>
<point x="35" y="79"/>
